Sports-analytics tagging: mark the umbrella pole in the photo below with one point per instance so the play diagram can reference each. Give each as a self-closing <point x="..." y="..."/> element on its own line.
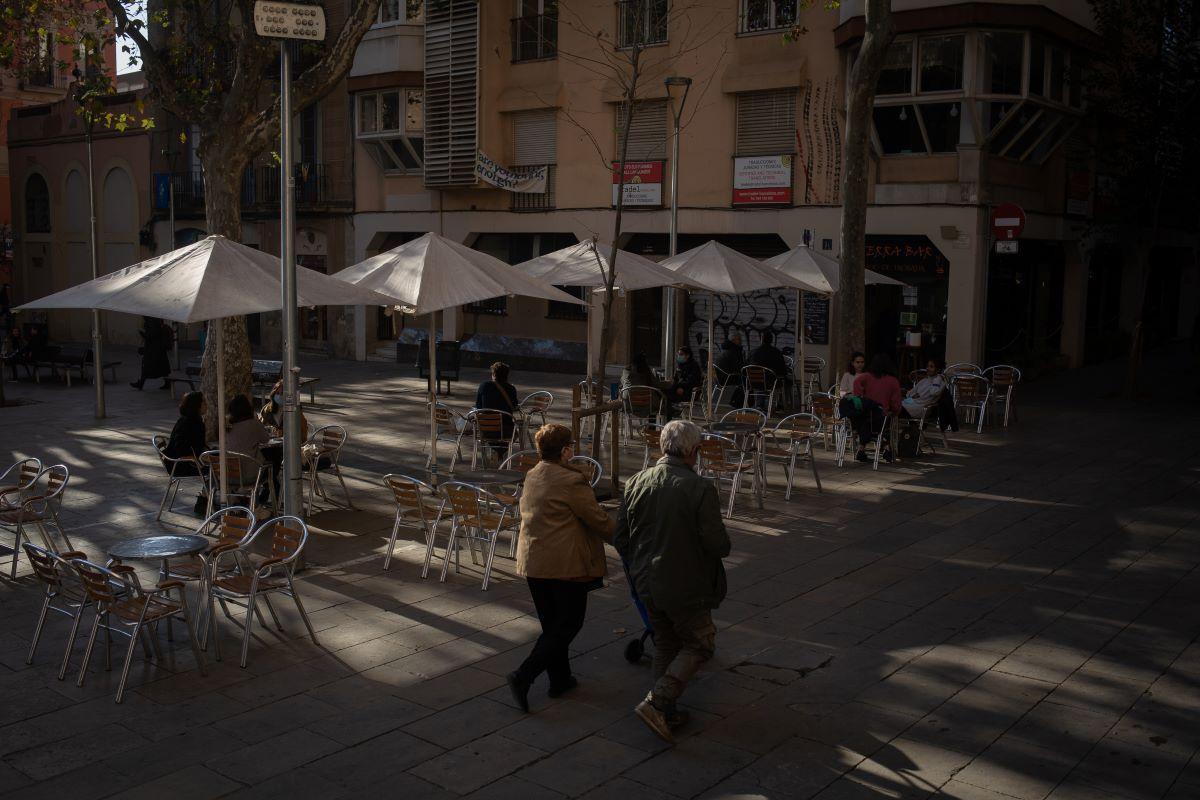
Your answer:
<point x="803" y="376"/>
<point x="712" y="354"/>
<point x="590" y="355"/>
<point x="433" y="454"/>
<point x="219" y="336"/>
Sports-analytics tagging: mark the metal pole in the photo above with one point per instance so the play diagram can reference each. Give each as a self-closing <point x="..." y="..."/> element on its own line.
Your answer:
<point x="669" y="291"/>
<point x="171" y="207"/>
<point x="287" y="264"/>
<point x="97" y="358"/>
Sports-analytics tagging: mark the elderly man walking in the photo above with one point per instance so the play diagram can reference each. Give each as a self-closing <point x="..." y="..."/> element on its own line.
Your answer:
<point x="672" y="538"/>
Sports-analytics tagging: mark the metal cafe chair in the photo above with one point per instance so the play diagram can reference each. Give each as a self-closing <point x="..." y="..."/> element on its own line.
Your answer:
<point x="813" y="369"/>
<point x="229" y="526"/>
<point x="824" y="407"/>
<point x="1003" y="379"/>
<point x="643" y="405"/>
<point x="17" y="480"/>
<point x="451" y="427"/>
<point x="760" y="382"/>
<point x="128" y="612"/>
<point x="722" y="460"/>
<point x="847" y="435"/>
<point x="971" y="394"/>
<point x="791" y="439"/>
<point x="242" y="480"/>
<point x="322" y="453"/>
<point x="416" y="503"/>
<point x="746" y="416"/>
<point x="178" y="470"/>
<point x="36" y="505"/>
<point x="477" y="516"/>
<point x="244" y="581"/>
<point x="534" y="404"/>
<point x="652" y="438"/>
<point x="592" y="469"/>
<point x="488" y="430"/>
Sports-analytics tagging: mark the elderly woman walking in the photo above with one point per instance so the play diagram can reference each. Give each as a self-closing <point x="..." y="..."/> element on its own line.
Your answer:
<point x="561" y="555"/>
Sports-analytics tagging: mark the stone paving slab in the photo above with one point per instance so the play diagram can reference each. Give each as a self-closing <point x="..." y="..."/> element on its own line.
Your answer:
<point x="1015" y="618"/>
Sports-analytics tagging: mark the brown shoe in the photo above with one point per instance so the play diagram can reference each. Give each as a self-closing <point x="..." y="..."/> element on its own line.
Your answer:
<point x="655" y="720"/>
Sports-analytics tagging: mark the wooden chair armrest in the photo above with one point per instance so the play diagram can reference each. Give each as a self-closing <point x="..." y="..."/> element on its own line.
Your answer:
<point x="124" y="569"/>
<point x="73" y="554"/>
<point x="170" y="584"/>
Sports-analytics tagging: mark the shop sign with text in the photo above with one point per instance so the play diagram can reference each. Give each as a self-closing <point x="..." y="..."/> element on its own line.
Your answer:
<point x="762" y="180"/>
<point x="642" y="181"/>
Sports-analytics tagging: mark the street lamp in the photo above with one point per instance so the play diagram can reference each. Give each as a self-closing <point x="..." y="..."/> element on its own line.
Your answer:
<point x="677" y="91"/>
<point x="81" y="97"/>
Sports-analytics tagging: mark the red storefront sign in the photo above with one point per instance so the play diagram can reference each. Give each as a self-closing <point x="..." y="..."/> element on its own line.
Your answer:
<point x="642" y="181"/>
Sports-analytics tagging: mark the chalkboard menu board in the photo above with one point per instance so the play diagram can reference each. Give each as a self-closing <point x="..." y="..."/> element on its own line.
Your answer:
<point x="816" y="318"/>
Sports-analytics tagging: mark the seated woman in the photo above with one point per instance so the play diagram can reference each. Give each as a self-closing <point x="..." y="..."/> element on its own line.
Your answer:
<point x="858" y="362"/>
<point x="188" y="440"/>
<point x="686" y="380"/>
<point x="927" y="391"/>
<point x="271" y="414"/>
<point x="498" y="394"/>
<point x="876" y="392"/>
<point x="248" y="436"/>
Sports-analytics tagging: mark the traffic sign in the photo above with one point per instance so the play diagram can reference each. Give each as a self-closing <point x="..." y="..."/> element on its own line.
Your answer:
<point x="289" y="20"/>
<point x="1008" y="220"/>
<point x="1006" y="246"/>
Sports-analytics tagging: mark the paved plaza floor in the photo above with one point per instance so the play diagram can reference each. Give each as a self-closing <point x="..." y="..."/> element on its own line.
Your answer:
<point x="1014" y="618"/>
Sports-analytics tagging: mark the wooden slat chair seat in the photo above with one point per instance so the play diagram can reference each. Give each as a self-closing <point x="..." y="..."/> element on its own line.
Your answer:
<point x="715" y="463"/>
<point x="17" y="481"/>
<point x="38" y="507"/>
<point x="476" y="516"/>
<point x="791" y="439"/>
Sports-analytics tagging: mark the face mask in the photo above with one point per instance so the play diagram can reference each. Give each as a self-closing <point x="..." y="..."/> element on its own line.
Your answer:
<point x="277" y="399"/>
<point x="680" y="359"/>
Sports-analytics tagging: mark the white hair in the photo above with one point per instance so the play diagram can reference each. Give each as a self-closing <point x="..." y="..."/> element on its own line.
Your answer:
<point x="679" y="438"/>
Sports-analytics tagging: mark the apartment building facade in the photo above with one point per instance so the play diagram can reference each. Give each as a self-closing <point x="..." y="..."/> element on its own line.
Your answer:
<point x="980" y="105"/>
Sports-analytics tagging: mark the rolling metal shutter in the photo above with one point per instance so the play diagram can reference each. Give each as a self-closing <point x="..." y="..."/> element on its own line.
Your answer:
<point x="766" y="123"/>
<point x="648" y="134"/>
<point x="451" y="110"/>
<point x="534" y="140"/>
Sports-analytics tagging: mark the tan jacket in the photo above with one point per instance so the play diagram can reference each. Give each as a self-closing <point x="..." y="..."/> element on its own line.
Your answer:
<point x="563" y="528"/>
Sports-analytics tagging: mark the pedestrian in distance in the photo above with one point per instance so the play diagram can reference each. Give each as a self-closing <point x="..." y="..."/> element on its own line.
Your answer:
<point x="672" y="537"/>
<point x="156" y="341"/>
<point x="560" y="553"/>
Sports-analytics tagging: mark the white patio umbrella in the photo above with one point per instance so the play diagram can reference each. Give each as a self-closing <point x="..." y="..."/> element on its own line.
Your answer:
<point x="824" y="274"/>
<point x="725" y="271"/>
<point x="208" y="280"/>
<point x="433" y="273"/>
<point x="586" y="264"/>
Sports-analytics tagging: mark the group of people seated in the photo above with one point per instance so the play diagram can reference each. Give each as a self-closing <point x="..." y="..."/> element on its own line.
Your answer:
<point x="247" y="433"/>
<point x="870" y="392"/>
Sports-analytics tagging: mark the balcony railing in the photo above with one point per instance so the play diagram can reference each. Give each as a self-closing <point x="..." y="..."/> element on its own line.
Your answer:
<point x="260" y="187"/>
<point x="642" y="23"/>
<point x="535" y="37"/>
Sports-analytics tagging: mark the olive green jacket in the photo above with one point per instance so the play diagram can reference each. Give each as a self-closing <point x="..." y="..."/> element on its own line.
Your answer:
<point x="672" y="537"/>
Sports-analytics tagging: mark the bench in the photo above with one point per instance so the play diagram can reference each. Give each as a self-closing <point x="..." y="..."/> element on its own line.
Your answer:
<point x="70" y="358"/>
<point x="263" y="375"/>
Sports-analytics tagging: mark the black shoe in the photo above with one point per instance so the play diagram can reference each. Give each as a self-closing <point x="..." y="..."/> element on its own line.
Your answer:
<point x="520" y="691"/>
<point x="887" y="456"/>
<point x="137" y="385"/>
<point x="558" y="690"/>
<point x="861" y="455"/>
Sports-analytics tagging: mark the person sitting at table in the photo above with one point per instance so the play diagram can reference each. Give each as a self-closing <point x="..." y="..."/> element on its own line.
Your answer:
<point x="729" y="362"/>
<point x="858" y="362"/>
<point x="248" y="436"/>
<point x="876" y="392"/>
<point x="769" y="356"/>
<point x="687" y="378"/>
<point x="271" y="414"/>
<point x="498" y="394"/>
<point x="560" y="553"/>
<point x="188" y="439"/>
<point x="925" y="394"/>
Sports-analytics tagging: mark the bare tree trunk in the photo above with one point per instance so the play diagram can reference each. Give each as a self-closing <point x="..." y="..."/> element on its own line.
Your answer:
<point x="223" y="208"/>
<point x="851" y="329"/>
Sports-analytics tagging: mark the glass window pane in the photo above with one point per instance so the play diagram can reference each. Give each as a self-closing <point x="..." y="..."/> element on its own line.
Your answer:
<point x="758" y="15"/>
<point x="414" y="114"/>
<point x="389" y="11"/>
<point x="418" y="145"/>
<point x="1006" y="132"/>
<point x="785" y="13"/>
<point x="1037" y="66"/>
<point x="941" y="63"/>
<point x="368" y="121"/>
<point x="401" y="153"/>
<point x="530" y="8"/>
<point x="993" y="112"/>
<point x="943" y="124"/>
<point x="414" y="10"/>
<point x="1047" y="119"/>
<point x="389" y="111"/>
<point x="1058" y="73"/>
<point x="898" y="130"/>
<point x="896" y="75"/>
<point x="1003" y="61"/>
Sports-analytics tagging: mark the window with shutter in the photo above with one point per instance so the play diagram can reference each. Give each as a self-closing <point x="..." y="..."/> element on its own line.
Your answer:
<point x="648" y="132"/>
<point x="534" y="140"/>
<point x="766" y="123"/>
<point x="451" y="58"/>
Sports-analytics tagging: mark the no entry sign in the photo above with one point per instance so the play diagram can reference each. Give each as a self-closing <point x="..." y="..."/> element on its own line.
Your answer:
<point x="1008" y="220"/>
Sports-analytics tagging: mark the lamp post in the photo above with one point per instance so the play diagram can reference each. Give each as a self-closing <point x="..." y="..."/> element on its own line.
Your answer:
<point x="677" y="86"/>
<point x="81" y="97"/>
<point x="169" y="154"/>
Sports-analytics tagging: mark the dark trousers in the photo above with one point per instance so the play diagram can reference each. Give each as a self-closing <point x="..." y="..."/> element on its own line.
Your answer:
<point x="561" y="606"/>
<point x="867" y="421"/>
<point x="683" y="640"/>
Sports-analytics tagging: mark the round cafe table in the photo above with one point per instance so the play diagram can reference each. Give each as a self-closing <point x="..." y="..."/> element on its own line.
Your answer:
<point x="746" y="435"/>
<point x="489" y="477"/>
<point x="160" y="547"/>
